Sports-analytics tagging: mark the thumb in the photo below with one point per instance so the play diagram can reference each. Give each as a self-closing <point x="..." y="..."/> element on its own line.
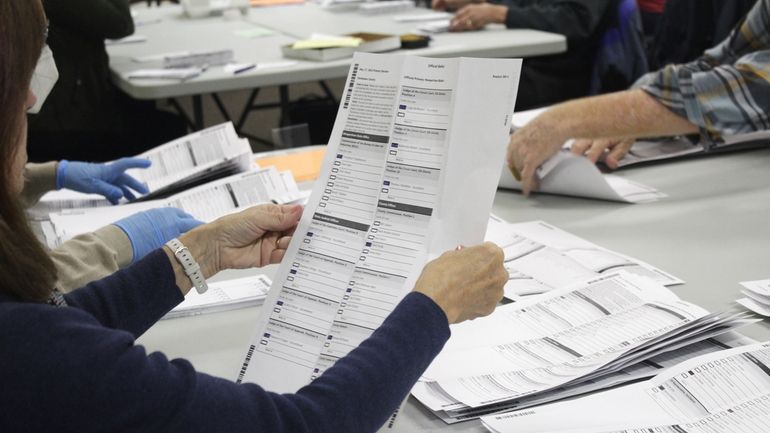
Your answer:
<point x="276" y="218"/>
<point x="111" y="192"/>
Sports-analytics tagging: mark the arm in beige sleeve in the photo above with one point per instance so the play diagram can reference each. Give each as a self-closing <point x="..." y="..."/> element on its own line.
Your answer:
<point x="90" y="257"/>
<point x="38" y="180"/>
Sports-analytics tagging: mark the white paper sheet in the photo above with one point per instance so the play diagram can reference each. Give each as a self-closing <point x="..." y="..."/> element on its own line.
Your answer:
<point x="710" y="393"/>
<point x="570" y="341"/>
<point x="223" y="296"/>
<point x="575" y="175"/>
<point x="540" y="257"/>
<point x="206" y="202"/>
<point x="394" y="191"/>
<point x="757" y="296"/>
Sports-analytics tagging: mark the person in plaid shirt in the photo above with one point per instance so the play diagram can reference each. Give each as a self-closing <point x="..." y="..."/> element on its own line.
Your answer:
<point x="726" y="91"/>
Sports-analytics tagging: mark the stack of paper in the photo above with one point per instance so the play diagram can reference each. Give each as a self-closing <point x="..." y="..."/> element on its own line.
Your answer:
<point x="726" y="391"/>
<point x="177" y="165"/>
<point x="540" y="257"/>
<point x="757" y="296"/>
<point x="526" y="352"/>
<point x="193" y="159"/>
<point x="206" y="202"/>
<point x="222" y="296"/>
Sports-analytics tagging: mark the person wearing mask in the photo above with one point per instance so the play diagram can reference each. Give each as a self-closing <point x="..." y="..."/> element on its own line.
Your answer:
<point x="725" y="91"/>
<point x="70" y="362"/>
<point x="92" y="256"/>
<point x="545" y="80"/>
<point x="86" y="117"/>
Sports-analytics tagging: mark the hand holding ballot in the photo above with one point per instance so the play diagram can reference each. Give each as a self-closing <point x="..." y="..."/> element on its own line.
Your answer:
<point x="109" y="180"/>
<point x="466" y="283"/>
<point x="255" y="237"/>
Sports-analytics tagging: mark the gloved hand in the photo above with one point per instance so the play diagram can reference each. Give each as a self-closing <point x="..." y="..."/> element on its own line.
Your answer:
<point x="109" y="180"/>
<point x="151" y="229"/>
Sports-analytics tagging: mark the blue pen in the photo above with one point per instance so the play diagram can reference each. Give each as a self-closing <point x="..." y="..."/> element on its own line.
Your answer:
<point x="245" y="68"/>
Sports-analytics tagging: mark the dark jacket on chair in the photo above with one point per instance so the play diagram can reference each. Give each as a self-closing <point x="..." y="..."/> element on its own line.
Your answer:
<point x="546" y="80"/>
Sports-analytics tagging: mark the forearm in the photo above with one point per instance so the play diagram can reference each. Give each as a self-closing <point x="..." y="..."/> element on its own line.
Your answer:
<point x="90" y="257"/>
<point x="131" y="299"/>
<point x="627" y="114"/>
<point x="38" y="180"/>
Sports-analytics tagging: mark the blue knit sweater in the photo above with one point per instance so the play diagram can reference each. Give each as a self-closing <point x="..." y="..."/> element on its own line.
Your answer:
<point x="78" y="369"/>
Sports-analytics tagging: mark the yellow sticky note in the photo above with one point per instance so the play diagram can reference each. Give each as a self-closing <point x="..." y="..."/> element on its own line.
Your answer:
<point x="326" y="43"/>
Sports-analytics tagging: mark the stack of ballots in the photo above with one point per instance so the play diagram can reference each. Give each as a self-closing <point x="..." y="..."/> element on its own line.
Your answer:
<point x="177" y="165"/>
<point x="757" y="296"/>
<point x="186" y="173"/>
<point x="593" y="334"/>
<point x="205" y="202"/>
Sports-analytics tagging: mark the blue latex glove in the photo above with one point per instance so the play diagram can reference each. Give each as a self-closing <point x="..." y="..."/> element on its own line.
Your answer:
<point x="109" y="180"/>
<point x="151" y="229"/>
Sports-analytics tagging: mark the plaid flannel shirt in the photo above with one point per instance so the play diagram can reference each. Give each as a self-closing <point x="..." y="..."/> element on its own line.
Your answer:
<point x="727" y="90"/>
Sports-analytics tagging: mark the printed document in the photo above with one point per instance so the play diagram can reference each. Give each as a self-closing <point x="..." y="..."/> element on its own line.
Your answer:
<point x="577" y="176"/>
<point x="206" y="203"/>
<point x="757" y="296"/>
<point x="540" y="257"/>
<point x="222" y="296"/>
<point x="410" y="172"/>
<point x="571" y="335"/>
<point x="724" y="391"/>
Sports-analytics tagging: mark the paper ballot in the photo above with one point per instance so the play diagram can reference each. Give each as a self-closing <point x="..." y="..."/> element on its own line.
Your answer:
<point x="222" y="296"/>
<point x="206" y="203"/>
<point x="577" y="176"/>
<point x="529" y="351"/>
<point x="726" y="391"/>
<point x="410" y="172"/>
<point x="540" y="257"/>
<point x="757" y="296"/>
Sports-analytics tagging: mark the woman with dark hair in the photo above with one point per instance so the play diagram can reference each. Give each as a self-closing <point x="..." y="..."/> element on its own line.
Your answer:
<point x="70" y="363"/>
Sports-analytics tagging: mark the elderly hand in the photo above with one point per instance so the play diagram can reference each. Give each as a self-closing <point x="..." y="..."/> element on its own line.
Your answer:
<point x="528" y="148"/>
<point x="109" y="180"/>
<point x="466" y="283"/>
<point x="255" y="237"/>
<point x="149" y="230"/>
<point x="476" y="16"/>
<point x="452" y="5"/>
<point x="603" y="149"/>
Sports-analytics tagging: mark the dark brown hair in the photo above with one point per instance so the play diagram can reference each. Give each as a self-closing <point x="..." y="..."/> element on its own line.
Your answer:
<point x="26" y="270"/>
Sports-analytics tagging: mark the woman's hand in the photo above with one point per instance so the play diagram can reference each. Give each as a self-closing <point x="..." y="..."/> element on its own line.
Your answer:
<point x="466" y="283"/>
<point x="255" y="237"/>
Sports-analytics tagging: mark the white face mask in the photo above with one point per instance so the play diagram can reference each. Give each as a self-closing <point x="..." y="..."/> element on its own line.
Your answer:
<point x="43" y="79"/>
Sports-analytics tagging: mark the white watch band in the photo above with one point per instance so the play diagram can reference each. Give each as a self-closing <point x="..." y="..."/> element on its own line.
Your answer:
<point x="190" y="266"/>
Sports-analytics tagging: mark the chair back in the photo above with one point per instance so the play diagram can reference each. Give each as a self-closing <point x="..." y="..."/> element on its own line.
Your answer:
<point x="621" y="57"/>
